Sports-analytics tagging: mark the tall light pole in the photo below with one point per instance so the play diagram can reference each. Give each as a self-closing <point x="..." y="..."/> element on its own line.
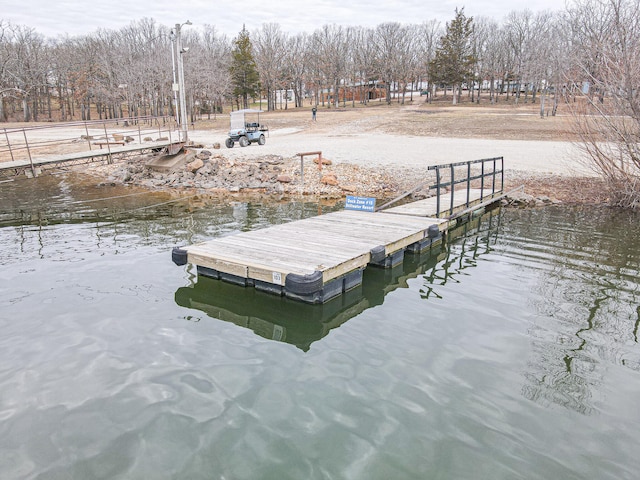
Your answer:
<point x="183" y="104"/>
<point x="174" y="86"/>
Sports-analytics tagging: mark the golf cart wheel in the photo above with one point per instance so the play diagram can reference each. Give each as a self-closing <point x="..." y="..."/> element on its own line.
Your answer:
<point x="261" y="140"/>
<point x="229" y="142"/>
<point x="244" y="141"/>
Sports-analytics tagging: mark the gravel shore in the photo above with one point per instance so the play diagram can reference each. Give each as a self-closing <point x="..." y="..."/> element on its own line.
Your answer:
<point x="376" y="152"/>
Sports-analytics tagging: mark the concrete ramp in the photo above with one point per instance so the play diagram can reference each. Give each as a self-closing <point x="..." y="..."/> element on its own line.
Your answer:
<point x="169" y="163"/>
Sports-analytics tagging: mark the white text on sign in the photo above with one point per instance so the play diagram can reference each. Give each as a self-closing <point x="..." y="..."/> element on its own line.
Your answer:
<point x="363" y="204"/>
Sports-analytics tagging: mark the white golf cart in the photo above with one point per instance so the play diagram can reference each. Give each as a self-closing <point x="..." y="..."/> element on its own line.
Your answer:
<point x="245" y="132"/>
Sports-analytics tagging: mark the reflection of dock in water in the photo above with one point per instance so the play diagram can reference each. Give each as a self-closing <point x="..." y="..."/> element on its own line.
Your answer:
<point x="297" y="323"/>
<point x="301" y="324"/>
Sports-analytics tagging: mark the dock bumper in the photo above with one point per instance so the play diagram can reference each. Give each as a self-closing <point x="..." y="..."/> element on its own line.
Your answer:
<point x="377" y="254"/>
<point x="303" y="284"/>
<point x="179" y="256"/>
<point x="433" y="236"/>
<point x="379" y="258"/>
<point x="311" y="289"/>
<point x="389" y="261"/>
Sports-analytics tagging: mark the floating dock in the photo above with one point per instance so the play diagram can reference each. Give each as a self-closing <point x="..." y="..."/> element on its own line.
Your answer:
<point x="274" y="318"/>
<point x="319" y="258"/>
<point x="316" y="259"/>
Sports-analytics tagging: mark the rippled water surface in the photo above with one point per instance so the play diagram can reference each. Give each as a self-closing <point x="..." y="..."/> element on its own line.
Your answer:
<point x="513" y="353"/>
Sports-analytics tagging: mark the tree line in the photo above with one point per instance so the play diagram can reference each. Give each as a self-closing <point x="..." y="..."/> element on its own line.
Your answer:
<point x="128" y="72"/>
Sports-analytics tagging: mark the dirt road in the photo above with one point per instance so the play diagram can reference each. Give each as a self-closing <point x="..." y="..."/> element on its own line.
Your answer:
<point x="413" y="137"/>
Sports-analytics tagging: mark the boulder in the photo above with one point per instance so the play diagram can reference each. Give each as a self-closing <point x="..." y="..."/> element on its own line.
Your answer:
<point x="325" y="161"/>
<point x="329" y="179"/>
<point x="284" y="179"/>
<point x="196" y="165"/>
<point x="520" y="198"/>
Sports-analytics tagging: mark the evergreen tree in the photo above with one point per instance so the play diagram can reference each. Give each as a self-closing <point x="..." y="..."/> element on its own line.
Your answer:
<point x="454" y="60"/>
<point x="244" y="73"/>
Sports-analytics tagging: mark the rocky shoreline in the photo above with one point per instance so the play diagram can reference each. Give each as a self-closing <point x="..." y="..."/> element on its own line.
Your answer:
<point x="213" y="173"/>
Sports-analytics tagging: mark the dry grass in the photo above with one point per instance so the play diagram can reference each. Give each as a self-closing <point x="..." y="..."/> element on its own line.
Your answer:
<point x="568" y="190"/>
<point x="500" y="121"/>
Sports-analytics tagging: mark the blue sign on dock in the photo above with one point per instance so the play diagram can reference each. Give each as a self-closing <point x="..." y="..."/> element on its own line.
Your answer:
<point x="363" y="204"/>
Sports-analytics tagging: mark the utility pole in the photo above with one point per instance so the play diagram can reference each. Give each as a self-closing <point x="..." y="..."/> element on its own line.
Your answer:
<point x="174" y="86"/>
<point x="183" y="104"/>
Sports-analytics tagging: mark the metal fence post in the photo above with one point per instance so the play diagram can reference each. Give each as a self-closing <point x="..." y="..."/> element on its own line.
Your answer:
<point x="437" y="191"/>
<point x="26" y="142"/>
<point x="469" y="184"/>
<point x="452" y="187"/>
<point x="9" y="145"/>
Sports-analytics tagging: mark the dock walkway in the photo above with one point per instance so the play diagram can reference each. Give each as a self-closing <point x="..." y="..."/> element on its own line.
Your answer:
<point x="18" y="167"/>
<point x="31" y="149"/>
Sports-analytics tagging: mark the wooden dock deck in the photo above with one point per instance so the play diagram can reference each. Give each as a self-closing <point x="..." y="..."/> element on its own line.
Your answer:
<point x="313" y="259"/>
<point x="318" y="258"/>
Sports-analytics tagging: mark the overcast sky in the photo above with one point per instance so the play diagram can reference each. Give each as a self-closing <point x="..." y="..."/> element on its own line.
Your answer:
<point x="53" y="18"/>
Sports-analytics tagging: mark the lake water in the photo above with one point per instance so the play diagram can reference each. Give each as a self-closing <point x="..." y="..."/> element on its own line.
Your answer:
<point x="511" y="353"/>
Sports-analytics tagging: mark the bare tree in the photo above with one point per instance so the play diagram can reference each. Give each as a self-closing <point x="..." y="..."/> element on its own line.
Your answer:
<point x="331" y="42"/>
<point x="518" y="31"/>
<point x="25" y="68"/>
<point x="269" y="52"/>
<point x="364" y="68"/>
<point x="428" y="34"/>
<point x="408" y="63"/>
<point x="7" y="87"/>
<point x="212" y="68"/>
<point x="607" y="117"/>
<point x="484" y="42"/>
<point x="389" y="41"/>
<point x="296" y="59"/>
<point x="551" y="58"/>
